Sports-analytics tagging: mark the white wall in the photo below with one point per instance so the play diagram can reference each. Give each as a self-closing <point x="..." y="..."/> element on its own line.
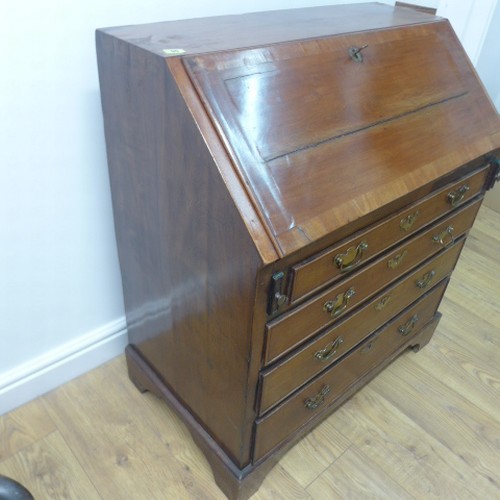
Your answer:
<point x="425" y="3"/>
<point x="61" y="310"/>
<point x="488" y="67"/>
<point x="488" y="60"/>
<point x="470" y="20"/>
<point x="477" y="24"/>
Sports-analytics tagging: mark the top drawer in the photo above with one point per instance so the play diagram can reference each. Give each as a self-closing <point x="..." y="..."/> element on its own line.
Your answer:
<point x="339" y="260"/>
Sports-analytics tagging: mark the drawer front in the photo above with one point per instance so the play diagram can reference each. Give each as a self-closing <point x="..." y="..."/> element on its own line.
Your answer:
<point x="282" y="379"/>
<point x="320" y="393"/>
<point x="344" y="258"/>
<point x="291" y="329"/>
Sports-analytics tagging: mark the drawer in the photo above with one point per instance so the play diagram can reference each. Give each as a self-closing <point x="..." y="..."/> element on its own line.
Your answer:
<point x="288" y="331"/>
<point x="341" y="259"/>
<point x="305" y="404"/>
<point x="280" y="380"/>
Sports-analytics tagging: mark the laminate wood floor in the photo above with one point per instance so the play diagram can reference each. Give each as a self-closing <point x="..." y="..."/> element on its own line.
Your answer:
<point x="427" y="427"/>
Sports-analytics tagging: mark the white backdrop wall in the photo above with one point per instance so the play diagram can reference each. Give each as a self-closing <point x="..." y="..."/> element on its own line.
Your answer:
<point x="488" y="60"/>
<point x="61" y="309"/>
<point x="477" y="24"/>
<point x="488" y="67"/>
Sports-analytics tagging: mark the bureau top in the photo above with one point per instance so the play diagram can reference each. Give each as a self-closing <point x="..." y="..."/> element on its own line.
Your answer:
<point x="201" y="35"/>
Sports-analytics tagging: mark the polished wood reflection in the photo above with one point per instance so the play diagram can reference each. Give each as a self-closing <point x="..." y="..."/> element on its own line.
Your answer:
<point x="380" y="129"/>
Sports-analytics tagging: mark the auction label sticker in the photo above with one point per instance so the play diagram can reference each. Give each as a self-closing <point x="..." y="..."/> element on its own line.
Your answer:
<point x="173" y="52"/>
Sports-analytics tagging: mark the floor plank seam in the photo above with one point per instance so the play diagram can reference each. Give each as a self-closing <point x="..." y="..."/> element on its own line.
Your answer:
<point x="328" y="466"/>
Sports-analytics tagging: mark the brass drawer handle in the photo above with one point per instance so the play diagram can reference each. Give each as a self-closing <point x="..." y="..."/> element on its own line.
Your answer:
<point x="315" y="401"/>
<point x="329" y="350"/>
<point x="455" y="197"/>
<point x="407" y="222"/>
<point x="408" y="327"/>
<point x="446" y="234"/>
<point x="339" y="305"/>
<point x="351" y="258"/>
<point x="368" y="347"/>
<point x="424" y="281"/>
<point x="397" y="260"/>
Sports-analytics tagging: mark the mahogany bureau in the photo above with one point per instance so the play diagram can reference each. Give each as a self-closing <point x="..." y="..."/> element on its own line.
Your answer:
<point x="291" y="191"/>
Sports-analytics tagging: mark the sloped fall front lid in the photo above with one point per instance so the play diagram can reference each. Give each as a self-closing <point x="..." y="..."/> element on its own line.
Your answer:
<point x="326" y="130"/>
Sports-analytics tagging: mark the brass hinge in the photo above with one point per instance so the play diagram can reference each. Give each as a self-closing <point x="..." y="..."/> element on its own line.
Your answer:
<point x="495" y="172"/>
<point x="277" y="297"/>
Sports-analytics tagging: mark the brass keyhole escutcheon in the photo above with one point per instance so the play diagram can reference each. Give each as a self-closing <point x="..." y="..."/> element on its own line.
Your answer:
<point x="355" y="53"/>
<point x="397" y="260"/>
<point x="368" y="347"/>
<point x="383" y="302"/>
<point x="407" y="222"/>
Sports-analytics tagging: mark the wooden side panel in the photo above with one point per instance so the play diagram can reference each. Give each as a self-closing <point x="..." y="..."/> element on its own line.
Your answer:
<point x="188" y="263"/>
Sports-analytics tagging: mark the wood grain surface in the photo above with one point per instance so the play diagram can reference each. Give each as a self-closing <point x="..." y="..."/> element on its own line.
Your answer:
<point x="378" y="141"/>
<point x="262" y="28"/>
<point x="289" y="330"/>
<point x="426" y="427"/>
<point x="311" y="274"/>
<point x="283" y="378"/>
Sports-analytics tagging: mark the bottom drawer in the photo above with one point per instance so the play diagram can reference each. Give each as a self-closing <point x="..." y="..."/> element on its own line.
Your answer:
<point x="321" y="392"/>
